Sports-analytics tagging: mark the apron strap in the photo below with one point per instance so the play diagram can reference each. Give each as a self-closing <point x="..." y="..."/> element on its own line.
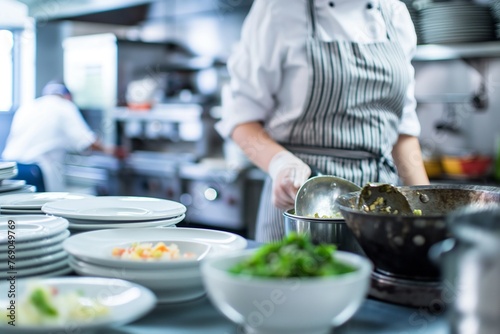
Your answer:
<point x="333" y="152"/>
<point x="312" y="17"/>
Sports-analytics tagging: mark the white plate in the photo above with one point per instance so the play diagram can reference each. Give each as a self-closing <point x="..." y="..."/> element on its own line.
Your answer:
<point x="123" y="208"/>
<point x="24" y="189"/>
<point x="171" y="276"/>
<point x="104" y="221"/>
<point x="35" y="270"/>
<point x="22" y="254"/>
<point x="6" y="176"/>
<point x="36" y="200"/>
<point x="35" y="262"/>
<point x="164" y="266"/>
<point x="56" y="273"/>
<point x="30" y="227"/>
<point x="127" y="302"/>
<point x="168" y="289"/>
<point x="104" y="240"/>
<point x="21" y="212"/>
<point x="9" y="185"/>
<point x="7" y="165"/>
<point x="106" y="225"/>
<point x="50" y="241"/>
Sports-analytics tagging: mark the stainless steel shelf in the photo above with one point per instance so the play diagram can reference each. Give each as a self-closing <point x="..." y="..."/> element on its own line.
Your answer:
<point x="432" y="52"/>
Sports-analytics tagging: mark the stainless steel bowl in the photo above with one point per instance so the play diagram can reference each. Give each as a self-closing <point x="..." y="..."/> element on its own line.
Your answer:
<point x="399" y="245"/>
<point x="321" y="230"/>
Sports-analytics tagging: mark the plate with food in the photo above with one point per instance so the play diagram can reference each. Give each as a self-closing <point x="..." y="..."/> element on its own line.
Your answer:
<point x="83" y="303"/>
<point x="151" y="248"/>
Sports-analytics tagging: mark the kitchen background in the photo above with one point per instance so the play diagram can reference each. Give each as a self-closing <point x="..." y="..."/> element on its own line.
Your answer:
<point x="147" y="76"/>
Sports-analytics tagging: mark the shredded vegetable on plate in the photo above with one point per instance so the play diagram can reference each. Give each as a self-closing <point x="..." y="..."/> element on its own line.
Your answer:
<point x="45" y="305"/>
<point x="151" y="252"/>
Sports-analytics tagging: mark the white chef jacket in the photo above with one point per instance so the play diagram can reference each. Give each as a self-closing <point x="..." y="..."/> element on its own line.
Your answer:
<point x="269" y="68"/>
<point x="42" y="132"/>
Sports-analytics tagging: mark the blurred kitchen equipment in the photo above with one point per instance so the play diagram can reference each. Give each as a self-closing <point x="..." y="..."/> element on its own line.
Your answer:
<point x="316" y="197"/>
<point x="470" y="264"/>
<point x="143" y="93"/>
<point x="449" y="122"/>
<point x="383" y="198"/>
<point x="466" y="166"/>
<point x="399" y="245"/>
<point x="323" y="230"/>
<point x="433" y="167"/>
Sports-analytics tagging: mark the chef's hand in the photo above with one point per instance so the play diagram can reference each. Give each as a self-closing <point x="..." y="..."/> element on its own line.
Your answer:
<point x="288" y="173"/>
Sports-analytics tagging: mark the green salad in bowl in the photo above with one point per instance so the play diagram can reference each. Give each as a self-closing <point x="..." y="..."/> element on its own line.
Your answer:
<point x="294" y="256"/>
<point x="292" y="286"/>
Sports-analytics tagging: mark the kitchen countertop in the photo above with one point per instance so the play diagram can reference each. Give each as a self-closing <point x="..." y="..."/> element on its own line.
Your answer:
<point x="199" y="316"/>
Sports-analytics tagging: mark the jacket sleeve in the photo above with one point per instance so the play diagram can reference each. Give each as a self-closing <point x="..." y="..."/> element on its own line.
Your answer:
<point x="407" y="37"/>
<point x="255" y="70"/>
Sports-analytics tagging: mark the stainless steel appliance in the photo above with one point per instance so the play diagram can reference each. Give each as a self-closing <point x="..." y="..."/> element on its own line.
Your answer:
<point x="471" y="269"/>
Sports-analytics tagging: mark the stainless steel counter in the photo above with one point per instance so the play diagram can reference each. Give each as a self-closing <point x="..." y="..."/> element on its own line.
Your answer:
<point x="200" y="316"/>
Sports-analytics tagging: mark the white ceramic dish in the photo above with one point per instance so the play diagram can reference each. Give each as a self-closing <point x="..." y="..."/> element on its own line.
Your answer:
<point x="178" y="286"/>
<point x="34" y="262"/>
<point x="292" y="306"/>
<point x="50" y="241"/>
<point x="171" y="276"/>
<point x="21" y="254"/>
<point x="200" y="250"/>
<point x="103" y="242"/>
<point x="36" y="200"/>
<point x="21" y="212"/>
<point x="34" y="271"/>
<point x="22" y="190"/>
<point x="10" y="185"/>
<point x="7" y="164"/>
<point x="126" y="301"/>
<point x="8" y="175"/>
<point x="56" y="273"/>
<point x="122" y="208"/>
<point x="30" y="227"/>
<point x="140" y="224"/>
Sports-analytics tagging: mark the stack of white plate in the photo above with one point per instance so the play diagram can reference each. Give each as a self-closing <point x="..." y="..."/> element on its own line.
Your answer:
<point x="414" y="14"/>
<point x="495" y="11"/>
<point x="116" y="212"/>
<point x="172" y="281"/>
<point x="8" y="169"/>
<point x="32" y="246"/>
<point x="31" y="203"/>
<point x="456" y="22"/>
<point x="8" y="187"/>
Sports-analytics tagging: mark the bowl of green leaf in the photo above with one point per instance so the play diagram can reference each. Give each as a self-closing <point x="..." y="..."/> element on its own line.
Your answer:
<point x="291" y="286"/>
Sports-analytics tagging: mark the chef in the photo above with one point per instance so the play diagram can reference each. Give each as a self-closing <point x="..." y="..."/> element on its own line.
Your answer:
<point x="327" y="84"/>
<point x="45" y="129"/>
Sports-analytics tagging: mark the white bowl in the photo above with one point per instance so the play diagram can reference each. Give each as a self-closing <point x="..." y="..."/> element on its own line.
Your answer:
<point x="293" y="305"/>
<point x="202" y="242"/>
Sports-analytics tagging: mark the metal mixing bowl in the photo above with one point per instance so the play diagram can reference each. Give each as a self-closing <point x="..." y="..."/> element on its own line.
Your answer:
<point x="322" y="230"/>
<point x="399" y="245"/>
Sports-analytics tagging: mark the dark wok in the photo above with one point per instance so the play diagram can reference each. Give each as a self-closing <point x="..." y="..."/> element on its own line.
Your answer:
<point x="399" y="245"/>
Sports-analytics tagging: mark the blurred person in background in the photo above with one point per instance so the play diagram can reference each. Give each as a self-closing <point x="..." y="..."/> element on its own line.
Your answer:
<point x="44" y="130"/>
<point x="327" y="84"/>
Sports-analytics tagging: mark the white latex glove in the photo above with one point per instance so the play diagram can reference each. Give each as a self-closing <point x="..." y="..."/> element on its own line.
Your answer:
<point x="288" y="173"/>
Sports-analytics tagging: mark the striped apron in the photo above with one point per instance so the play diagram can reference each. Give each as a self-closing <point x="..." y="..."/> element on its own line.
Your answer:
<point x="351" y="114"/>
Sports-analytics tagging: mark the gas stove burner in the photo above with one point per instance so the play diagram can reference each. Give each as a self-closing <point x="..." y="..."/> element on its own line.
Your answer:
<point x="404" y="291"/>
